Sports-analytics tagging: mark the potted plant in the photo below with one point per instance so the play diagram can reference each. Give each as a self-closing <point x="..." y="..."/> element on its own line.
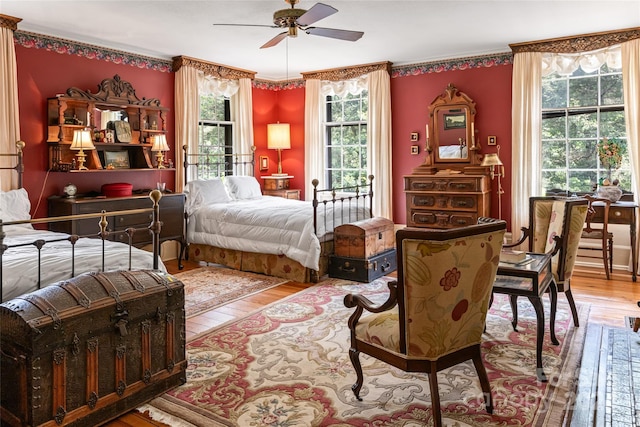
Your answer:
<point x="610" y="151"/>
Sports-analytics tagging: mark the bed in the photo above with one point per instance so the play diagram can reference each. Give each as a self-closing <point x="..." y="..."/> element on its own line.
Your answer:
<point x="230" y="222"/>
<point x="31" y="258"/>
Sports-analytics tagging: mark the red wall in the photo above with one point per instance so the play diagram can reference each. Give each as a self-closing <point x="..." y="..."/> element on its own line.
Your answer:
<point x="490" y="88"/>
<point x="43" y="74"/>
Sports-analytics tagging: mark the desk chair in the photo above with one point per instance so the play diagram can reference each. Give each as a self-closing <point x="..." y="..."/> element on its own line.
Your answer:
<point x="599" y="233"/>
<point x="555" y="227"/>
<point x="436" y="310"/>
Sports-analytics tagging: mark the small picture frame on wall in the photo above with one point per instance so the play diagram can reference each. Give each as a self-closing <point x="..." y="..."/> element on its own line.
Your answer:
<point x="414" y="136"/>
<point x="415" y="150"/>
<point x="264" y="163"/>
<point x="492" y="140"/>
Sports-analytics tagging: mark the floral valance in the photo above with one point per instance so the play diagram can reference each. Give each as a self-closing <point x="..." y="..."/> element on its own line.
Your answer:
<point x="212" y="69"/>
<point x="566" y="63"/>
<point x="347" y="73"/>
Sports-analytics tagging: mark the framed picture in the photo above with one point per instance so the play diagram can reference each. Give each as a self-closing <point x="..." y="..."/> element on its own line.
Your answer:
<point x="116" y="159"/>
<point x="415" y="150"/>
<point x="414" y="136"/>
<point x="264" y="163"/>
<point x="455" y="121"/>
<point x="491" y="140"/>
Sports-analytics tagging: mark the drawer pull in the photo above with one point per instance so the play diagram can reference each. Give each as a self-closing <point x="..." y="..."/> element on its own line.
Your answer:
<point x="617" y="213"/>
<point x="347" y="269"/>
<point x="385" y="267"/>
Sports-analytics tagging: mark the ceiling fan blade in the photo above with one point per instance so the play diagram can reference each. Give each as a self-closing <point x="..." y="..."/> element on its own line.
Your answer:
<point x="334" y="33"/>
<point x="316" y="13"/>
<point x="274" y="41"/>
<point x="248" y="25"/>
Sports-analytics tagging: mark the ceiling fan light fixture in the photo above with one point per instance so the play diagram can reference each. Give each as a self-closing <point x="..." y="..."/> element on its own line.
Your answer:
<point x="293" y="31"/>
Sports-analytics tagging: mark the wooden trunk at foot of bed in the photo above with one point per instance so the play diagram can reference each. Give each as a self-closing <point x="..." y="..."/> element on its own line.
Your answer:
<point x="269" y="264"/>
<point x="83" y="351"/>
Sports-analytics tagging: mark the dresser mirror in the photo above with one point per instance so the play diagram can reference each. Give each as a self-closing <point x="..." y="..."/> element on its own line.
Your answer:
<point x="451" y="121"/>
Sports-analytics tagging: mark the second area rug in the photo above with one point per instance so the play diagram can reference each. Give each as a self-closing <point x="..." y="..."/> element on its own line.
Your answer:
<point x="209" y="287"/>
<point x="288" y="365"/>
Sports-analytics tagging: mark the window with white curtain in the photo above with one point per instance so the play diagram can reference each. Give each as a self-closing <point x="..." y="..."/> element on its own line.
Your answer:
<point x="346" y="139"/>
<point x="215" y="136"/>
<point x="582" y="112"/>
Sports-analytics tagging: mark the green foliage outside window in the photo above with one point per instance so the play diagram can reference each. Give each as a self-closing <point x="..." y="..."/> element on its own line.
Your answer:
<point x="346" y="139"/>
<point x="578" y="111"/>
<point x="215" y="132"/>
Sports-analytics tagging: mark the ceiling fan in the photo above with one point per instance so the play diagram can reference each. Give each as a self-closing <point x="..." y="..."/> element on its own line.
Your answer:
<point x="293" y="19"/>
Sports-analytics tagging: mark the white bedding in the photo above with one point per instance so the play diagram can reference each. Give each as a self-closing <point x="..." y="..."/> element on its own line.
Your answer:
<point x="272" y="225"/>
<point x="20" y="268"/>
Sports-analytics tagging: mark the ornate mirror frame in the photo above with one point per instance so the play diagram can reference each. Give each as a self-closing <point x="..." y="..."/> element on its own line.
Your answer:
<point x="450" y="133"/>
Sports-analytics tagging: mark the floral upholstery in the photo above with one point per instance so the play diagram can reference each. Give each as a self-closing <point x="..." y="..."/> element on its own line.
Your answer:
<point x="447" y="285"/>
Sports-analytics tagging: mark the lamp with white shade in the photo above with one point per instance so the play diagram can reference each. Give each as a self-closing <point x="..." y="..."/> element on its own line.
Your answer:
<point x="160" y="146"/>
<point x="492" y="160"/>
<point x="278" y="138"/>
<point x="82" y="141"/>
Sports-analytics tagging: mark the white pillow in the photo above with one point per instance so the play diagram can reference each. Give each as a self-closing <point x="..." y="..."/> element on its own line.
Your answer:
<point x="243" y="187"/>
<point x="15" y="206"/>
<point x="204" y="192"/>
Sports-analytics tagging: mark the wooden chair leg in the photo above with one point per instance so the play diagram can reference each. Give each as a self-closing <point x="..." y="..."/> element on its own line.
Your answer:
<point x="484" y="381"/>
<point x="513" y="301"/>
<point x="354" y="355"/>
<point x="610" y="255"/>
<point x="435" y="396"/>
<point x="572" y="305"/>
<point x="605" y="257"/>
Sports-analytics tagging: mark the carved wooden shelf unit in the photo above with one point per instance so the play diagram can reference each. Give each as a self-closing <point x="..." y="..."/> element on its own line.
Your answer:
<point x="80" y="110"/>
<point x="450" y="189"/>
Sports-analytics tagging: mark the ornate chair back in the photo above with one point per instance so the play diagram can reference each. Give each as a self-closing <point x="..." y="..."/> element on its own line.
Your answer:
<point x="435" y="315"/>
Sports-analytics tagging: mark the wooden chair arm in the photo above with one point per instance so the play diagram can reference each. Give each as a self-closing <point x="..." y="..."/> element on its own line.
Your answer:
<point x="523" y="237"/>
<point x="363" y="303"/>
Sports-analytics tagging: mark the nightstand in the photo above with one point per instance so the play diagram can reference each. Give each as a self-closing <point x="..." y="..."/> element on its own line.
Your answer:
<point x="279" y="186"/>
<point x="287" y="194"/>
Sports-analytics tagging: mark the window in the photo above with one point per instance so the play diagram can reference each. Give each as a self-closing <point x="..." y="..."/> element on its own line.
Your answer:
<point x="346" y="139"/>
<point x="215" y="137"/>
<point x="578" y="111"/>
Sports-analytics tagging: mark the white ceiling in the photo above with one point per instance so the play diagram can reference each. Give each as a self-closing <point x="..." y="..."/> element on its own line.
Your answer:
<point x="403" y="32"/>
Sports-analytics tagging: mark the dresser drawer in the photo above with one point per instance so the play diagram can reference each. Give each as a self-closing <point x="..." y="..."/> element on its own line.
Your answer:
<point x="446" y="184"/>
<point x="443" y="201"/>
<point x="440" y="219"/>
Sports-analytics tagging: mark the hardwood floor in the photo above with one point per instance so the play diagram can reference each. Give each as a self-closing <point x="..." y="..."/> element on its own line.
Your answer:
<point x="611" y="300"/>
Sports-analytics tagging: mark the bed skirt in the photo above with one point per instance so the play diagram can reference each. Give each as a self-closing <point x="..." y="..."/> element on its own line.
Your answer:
<point x="269" y="264"/>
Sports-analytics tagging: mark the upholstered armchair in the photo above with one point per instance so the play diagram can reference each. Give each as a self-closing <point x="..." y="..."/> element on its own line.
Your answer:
<point x="436" y="311"/>
<point x="555" y="227"/>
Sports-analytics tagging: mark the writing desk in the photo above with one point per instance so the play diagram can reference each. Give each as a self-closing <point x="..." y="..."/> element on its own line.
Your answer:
<point x="621" y="212"/>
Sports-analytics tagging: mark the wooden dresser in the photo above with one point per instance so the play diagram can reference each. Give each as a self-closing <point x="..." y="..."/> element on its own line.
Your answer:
<point x="446" y="200"/>
<point x="452" y="188"/>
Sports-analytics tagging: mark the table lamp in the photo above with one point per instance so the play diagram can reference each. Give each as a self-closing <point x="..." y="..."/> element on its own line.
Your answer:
<point x="278" y="138"/>
<point x="82" y="141"/>
<point x="492" y="160"/>
<point x="160" y="146"/>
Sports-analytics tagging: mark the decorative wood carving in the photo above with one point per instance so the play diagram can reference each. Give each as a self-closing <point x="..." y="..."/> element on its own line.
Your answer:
<point x="113" y="90"/>
<point x="337" y="74"/>
<point x="580" y="43"/>
<point x="212" y="69"/>
<point x="9" y="22"/>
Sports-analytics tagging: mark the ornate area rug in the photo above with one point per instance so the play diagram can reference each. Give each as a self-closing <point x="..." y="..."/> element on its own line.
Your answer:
<point x="210" y="287"/>
<point x="288" y="365"/>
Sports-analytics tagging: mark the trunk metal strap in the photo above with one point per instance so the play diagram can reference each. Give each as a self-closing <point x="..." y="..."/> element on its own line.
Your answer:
<point x="76" y="293"/>
<point x="44" y="306"/>
<point x="110" y="289"/>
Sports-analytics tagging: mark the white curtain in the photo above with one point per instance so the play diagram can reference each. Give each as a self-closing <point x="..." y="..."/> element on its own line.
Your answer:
<point x="378" y="132"/>
<point x="566" y="63"/>
<point x="526" y="116"/>
<point x="242" y="116"/>
<point x="379" y="142"/>
<point x="187" y="114"/>
<point x="9" y="117"/>
<point x="314" y="158"/>
<point x="631" y="92"/>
